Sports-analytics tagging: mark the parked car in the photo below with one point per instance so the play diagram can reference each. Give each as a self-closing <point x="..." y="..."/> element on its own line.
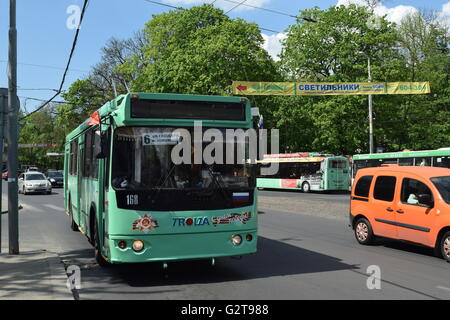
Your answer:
<point x="56" y="178"/>
<point x="404" y="203"/>
<point x="34" y="182"/>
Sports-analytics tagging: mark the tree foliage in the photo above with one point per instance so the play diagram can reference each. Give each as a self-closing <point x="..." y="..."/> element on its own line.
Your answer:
<point x="337" y="48"/>
<point x="200" y="51"/>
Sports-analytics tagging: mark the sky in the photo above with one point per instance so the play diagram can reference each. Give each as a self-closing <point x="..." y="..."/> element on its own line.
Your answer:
<point x="45" y="35"/>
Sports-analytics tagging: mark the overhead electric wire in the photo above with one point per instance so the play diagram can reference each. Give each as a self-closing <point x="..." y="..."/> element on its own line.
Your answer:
<point x="42" y="100"/>
<point x="164" y="4"/>
<point x="44" y="66"/>
<point x="170" y="6"/>
<point x="74" y="44"/>
<point x="236" y="6"/>
<point x="264" y="9"/>
<point x="37" y="89"/>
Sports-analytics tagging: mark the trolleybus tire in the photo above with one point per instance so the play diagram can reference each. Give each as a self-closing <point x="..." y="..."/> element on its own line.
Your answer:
<point x="97" y="250"/>
<point x="306" y="187"/>
<point x="73" y="225"/>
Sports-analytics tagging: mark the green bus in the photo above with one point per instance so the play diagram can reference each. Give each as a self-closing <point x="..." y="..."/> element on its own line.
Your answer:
<point x="123" y="191"/>
<point x="306" y="171"/>
<point x="433" y="158"/>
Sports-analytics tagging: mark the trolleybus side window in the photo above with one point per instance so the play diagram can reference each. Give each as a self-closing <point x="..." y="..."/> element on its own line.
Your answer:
<point x="424" y="161"/>
<point x="87" y="154"/>
<point x="92" y="148"/>
<point x="442" y="161"/>
<point x="406" y="161"/>
<point x="73" y="157"/>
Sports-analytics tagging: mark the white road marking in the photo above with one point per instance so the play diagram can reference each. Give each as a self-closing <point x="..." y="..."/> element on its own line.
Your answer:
<point x="28" y="207"/>
<point x="443" y="288"/>
<point x="51" y="206"/>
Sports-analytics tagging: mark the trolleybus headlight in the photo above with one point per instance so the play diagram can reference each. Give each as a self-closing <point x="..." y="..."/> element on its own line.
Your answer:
<point x="138" y="245"/>
<point x="122" y="244"/>
<point x="249" y="237"/>
<point x="236" y="239"/>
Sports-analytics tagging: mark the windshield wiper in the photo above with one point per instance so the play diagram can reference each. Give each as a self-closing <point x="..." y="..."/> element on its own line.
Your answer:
<point x="221" y="188"/>
<point x="159" y="187"/>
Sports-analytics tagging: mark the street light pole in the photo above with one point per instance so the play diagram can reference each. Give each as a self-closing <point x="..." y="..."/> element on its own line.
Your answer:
<point x="370" y="109"/>
<point x="13" y="212"/>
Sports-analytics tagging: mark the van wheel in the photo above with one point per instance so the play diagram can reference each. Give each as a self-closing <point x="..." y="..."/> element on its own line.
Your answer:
<point x="445" y="246"/>
<point x="363" y="232"/>
<point x="306" y="187"/>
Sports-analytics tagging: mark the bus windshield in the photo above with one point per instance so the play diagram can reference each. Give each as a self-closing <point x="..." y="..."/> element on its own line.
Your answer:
<point x="142" y="160"/>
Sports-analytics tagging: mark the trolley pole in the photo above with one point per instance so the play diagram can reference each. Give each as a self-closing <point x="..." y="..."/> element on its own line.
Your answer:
<point x="13" y="108"/>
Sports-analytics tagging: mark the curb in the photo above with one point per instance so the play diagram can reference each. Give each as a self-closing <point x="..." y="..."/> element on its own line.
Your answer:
<point x="58" y="278"/>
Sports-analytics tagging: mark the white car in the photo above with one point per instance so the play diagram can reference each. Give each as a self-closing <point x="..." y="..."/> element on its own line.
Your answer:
<point x="34" y="182"/>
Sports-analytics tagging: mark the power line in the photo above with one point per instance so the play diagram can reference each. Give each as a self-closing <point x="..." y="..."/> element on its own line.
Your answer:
<point x="74" y="44"/>
<point x="170" y="6"/>
<point x="263" y="9"/>
<point x="239" y="4"/>
<point x="44" y="66"/>
<point x="163" y="4"/>
<point x="42" y="100"/>
<point x="37" y="89"/>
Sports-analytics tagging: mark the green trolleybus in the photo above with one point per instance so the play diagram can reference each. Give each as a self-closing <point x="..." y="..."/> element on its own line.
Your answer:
<point x="306" y="171"/>
<point x="135" y="204"/>
<point x="433" y="158"/>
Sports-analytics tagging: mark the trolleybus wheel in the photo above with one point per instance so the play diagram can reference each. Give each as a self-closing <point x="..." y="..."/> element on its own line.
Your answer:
<point x="306" y="187"/>
<point x="73" y="225"/>
<point x="97" y="250"/>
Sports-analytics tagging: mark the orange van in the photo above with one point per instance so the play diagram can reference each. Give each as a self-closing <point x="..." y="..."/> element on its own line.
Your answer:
<point x="404" y="203"/>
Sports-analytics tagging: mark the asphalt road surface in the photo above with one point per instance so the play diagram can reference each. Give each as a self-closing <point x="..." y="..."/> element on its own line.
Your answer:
<point x="301" y="255"/>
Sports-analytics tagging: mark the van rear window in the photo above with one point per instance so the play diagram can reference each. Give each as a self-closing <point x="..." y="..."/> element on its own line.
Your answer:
<point x="363" y="186"/>
<point x="384" y="188"/>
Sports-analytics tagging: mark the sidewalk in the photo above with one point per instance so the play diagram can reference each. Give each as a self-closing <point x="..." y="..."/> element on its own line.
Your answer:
<point x="31" y="275"/>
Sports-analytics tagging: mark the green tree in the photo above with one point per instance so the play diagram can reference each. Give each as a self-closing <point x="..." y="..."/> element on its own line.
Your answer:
<point x="40" y="128"/>
<point x="199" y="51"/>
<point x="424" y="119"/>
<point x="334" y="48"/>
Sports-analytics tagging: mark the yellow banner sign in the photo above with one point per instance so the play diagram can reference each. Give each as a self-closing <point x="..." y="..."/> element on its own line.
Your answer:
<point x="264" y="88"/>
<point x="408" y="87"/>
<point x="328" y="88"/>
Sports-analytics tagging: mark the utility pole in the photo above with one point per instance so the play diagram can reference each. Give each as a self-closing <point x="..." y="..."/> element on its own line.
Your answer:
<point x="370" y="109"/>
<point x="13" y="108"/>
<point x="3" y="104"/>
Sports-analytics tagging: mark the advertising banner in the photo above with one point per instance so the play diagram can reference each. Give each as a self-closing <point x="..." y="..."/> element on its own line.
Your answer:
<point x="328" y="88"/>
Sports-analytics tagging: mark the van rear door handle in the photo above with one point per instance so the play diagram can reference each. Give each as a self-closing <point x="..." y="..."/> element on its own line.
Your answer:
<point x="389" y="209"/>
<point x="400" y="211"/>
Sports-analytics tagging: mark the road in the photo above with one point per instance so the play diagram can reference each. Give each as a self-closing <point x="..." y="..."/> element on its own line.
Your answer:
<point x="300" y="256"/>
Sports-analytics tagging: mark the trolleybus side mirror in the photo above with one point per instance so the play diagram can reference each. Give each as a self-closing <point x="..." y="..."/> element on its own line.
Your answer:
<point x="103" y="145"/>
